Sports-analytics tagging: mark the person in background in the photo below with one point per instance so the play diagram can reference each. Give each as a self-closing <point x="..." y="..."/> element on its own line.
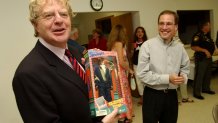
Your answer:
<point x="204" y="47"/>
<point x="74" y="35"/>
<point x="139" y="38"/>
<point x="46" y="86"/>
<point x="98" y="41"/>
<point x="163" y="64"/>
<point x="118" y="41"/>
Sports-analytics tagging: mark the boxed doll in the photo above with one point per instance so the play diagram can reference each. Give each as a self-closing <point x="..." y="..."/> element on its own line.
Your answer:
<point x="106" y="87"/>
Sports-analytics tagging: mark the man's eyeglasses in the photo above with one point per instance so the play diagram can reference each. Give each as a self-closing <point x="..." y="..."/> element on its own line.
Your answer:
<point x="53" y="15"/>
<point x="165" y="24"/>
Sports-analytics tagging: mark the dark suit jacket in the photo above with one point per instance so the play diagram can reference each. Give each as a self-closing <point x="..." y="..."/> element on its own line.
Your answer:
<point x="47" y="90"/>
<point x="101" y="82"/>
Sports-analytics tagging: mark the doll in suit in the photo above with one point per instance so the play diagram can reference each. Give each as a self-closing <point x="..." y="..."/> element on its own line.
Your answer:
<point x="103" y="82"/>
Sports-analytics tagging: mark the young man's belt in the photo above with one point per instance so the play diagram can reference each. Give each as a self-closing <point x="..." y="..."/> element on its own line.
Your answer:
<point x="160" y="91"/>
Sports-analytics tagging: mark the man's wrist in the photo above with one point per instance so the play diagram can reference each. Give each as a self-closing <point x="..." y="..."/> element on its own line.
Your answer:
<point x="205" y="51"/>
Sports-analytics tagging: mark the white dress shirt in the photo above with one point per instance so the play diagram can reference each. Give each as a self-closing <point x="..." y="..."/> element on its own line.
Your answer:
<point x="59" y="52"/>
<point x="157" y="60"/>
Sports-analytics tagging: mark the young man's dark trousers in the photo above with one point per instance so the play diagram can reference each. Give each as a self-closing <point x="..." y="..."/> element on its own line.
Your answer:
<point x="160" y="106"/>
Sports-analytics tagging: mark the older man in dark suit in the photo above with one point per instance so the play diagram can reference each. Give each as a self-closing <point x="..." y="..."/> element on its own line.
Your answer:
<point x="46" y="86"/>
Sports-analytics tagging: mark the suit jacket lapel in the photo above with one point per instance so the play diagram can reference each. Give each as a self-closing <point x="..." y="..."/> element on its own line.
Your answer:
<point x="62" y="68"/>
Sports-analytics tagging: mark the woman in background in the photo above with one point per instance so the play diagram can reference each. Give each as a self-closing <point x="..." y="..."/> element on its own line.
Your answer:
<point x="98" y="41"/>
<point x="118" y="41"/>
<point x="139" y="38"/>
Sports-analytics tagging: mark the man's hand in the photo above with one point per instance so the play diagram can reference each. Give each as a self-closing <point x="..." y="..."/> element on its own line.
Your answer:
<point x="176" y="80"/>
<point x="96" y="88"/>
<point x="131" y="72"/>
<point x="207" y="53"/>
<point x="112" y="117"/>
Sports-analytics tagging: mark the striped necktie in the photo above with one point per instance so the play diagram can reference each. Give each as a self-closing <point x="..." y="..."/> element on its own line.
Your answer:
<point x="76" y="66"/>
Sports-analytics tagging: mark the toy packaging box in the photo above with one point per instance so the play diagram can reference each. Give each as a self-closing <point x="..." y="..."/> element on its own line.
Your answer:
<point x="105" y="84"/>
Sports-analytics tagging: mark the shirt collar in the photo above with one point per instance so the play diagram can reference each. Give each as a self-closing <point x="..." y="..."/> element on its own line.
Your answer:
<point x="59" y="52"/>
<point x="171" y="42"/>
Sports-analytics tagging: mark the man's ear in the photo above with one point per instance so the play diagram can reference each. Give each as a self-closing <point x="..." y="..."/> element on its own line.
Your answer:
<point x="35" y="28"/>
<point x="34" y="24"/>
<point x="176" y="27"/>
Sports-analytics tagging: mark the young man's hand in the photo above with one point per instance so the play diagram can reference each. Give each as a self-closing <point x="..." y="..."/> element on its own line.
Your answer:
<point x="176" y="80"/>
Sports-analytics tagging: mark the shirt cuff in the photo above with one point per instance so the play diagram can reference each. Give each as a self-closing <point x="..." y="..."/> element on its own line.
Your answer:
<point x="165" y="79"/>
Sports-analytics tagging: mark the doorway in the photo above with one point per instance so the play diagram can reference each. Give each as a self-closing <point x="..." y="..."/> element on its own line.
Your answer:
<point x="86" y="22"/>
<point x="107" y="23"/>
<point x="188" y="23"/>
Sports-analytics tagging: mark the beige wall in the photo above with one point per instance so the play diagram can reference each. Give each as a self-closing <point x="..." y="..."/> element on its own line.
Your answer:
<point x="17" y="35"/>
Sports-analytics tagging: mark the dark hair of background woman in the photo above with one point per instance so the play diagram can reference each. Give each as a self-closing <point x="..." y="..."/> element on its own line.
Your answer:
<point x="144" y="36"/>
